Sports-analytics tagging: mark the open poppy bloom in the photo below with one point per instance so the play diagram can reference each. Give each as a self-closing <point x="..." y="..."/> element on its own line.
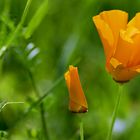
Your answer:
<point x="121" y="42"/>
<point x="78" y="103"/>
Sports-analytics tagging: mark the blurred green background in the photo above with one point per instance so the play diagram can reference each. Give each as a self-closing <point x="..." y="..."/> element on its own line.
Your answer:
<point x="62" y="33"/>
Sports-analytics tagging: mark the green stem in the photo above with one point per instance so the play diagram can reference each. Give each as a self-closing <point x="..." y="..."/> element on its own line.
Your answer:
<point x="41" y="99"/>
<point x="109" y="136"/>
<point x="81" y="131"/>
<point x="24" y="15"/>
<point x="42" y="110"/>
<point x="7" y="103"/>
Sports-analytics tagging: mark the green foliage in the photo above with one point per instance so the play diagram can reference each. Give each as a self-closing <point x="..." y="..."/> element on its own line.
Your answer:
<point x="38" y="40"/>
<point x="37" y="18"/>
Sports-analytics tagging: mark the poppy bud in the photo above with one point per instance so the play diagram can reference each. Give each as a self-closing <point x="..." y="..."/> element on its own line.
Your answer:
<point x="77" y="103"/>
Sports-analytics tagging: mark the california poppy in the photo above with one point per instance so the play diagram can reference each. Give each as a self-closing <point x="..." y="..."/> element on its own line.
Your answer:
<point x="78" y="103"/>
<point x="121" y="42"/>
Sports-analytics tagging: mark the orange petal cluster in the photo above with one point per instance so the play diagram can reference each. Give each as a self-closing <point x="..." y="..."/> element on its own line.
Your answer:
<point x="78" y="103"/>
<point x="121" y="42"/>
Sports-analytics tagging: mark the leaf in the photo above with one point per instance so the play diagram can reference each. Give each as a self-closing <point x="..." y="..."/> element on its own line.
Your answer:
<point x="36" y="20"/>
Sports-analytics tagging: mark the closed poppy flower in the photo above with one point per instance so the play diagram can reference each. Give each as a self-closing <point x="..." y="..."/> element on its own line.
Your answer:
<point x="77" y="103"/>
<point x="121" y="42"/>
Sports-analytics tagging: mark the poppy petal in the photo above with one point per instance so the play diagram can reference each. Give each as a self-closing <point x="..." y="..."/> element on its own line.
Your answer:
<point x="76" y="108"/>
<point x="77" y="94"/>
<point x="108" y="24"/>
<point x="135" y="22"/>
<point x="134" y="59"/>
<point x="126" y="46"/>
<point x="121" y="43"/>
<point x="78" y="101"/>
<point x="67" y="78"/>
<point x="119" y="73"/>
<point x="106" y="36"/>
<point x="116" y="19"/>
<point x="115" y="63"/>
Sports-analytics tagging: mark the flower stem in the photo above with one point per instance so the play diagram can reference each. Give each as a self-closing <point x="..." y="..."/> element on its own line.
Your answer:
<point x="81" y="131"/>
<point x="109" y="136"/>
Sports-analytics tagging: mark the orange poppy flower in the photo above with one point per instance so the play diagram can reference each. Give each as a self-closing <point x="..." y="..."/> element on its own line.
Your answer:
<point x="78" y="103"/>
<point x="121" y="42"/>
